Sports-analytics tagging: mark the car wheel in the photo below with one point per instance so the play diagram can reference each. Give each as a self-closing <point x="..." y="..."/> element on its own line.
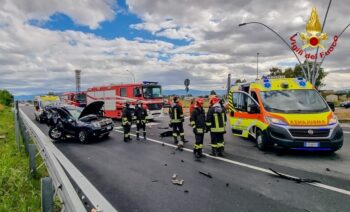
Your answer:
<point x="55" y="134"/>
<point x="83" y="136"/>
<point x="105" y="135"/>
<point x="261" y="143"/>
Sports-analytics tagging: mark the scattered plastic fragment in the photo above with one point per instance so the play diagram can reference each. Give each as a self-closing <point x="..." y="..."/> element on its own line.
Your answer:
<point x="296" y="179"/>
<point x="206" y="174"/>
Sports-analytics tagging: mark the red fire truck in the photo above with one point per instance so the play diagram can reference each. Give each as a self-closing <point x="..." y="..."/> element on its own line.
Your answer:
<point x="73" y="98"/>
<point x="115" y="96"/>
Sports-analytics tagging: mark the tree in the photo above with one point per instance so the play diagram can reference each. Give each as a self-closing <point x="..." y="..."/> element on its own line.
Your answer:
<point x="6" y="97"/>
<point x="212" y="92"/>
<point x="50" y="93"/>
<point x="298" y="72"/>
<point x="240" y="81"/>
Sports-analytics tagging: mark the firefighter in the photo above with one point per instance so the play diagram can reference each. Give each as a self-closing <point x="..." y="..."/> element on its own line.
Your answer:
<point x="140" y="114"/>
<point x="127" y="121"/>
<point x="198" y="124"/>
<point x="176" y="121"/>
<point x="215" y="123"/>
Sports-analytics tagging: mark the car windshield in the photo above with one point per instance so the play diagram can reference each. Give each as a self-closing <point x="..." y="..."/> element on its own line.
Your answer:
<point x="74" y="111"/>
<point x="293" y="101"/>
<point x="49" y="103"/>
<point x="151" y="92"/>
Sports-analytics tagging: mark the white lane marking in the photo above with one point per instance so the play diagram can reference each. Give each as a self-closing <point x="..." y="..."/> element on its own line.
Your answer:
<point x="320" y="185"/>
<point x="347" y="132"/>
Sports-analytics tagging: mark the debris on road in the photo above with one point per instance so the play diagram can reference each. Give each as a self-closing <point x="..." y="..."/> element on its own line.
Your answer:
<point x="328" y="169"/>
<point x="296" y="179"/>
<point x="186" y="191"/>
<point x="173" y="153"/>
<point x="207" y="174"/>
<point x="166" y="134"/>
<point x="182" y="161"/>
<point x="163" y="144"/>
<point x="176" y="181"/>
<point x="227" y="184"/>
<point x="165" y="164"/>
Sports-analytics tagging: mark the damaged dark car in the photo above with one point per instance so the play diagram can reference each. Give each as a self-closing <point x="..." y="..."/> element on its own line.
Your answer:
<point x="82" y="124"/>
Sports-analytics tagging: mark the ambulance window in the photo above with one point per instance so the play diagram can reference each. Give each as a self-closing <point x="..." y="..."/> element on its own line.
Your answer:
<point x="240" y="101"/>
<point x="255" y="97"/>
<point x="122" y="91"/>
<point x="235" y="98"/>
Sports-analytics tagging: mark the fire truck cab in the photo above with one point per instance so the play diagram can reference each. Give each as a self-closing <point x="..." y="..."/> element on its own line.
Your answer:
<point x="115" y="96"/>
<point x="284" y="112"/>
<point x="75" y="99"/>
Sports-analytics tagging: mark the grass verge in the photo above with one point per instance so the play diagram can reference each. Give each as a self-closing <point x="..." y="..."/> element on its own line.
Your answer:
<point x="18" y="191"/>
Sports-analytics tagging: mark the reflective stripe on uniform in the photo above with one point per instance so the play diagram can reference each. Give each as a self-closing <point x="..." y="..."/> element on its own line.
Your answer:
<point x="175" y="134"/>
<point x="198" y="146"/>
<point x="221" y="144"/>
<point x="200" y="130"/>
<point x="175" y="121"/>
<point x="217" y="130"/>
<point x="193" y="123"/>
<point x="182" y="134"/>
<point x="215" y="146"/>
<point x="208" y="124"/>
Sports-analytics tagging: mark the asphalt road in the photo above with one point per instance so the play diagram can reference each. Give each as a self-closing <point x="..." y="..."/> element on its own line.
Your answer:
<point x="136" y="176"/>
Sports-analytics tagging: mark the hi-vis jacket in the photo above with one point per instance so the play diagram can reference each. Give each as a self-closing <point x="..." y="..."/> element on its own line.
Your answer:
<point x="127" y="116"/>
<point x="216" y="119"/>
<point x="140" y="114"/>
<point x="176" y="114"/>
<point x="198" y="120"/>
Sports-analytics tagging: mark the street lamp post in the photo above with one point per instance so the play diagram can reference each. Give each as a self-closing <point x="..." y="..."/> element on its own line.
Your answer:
<point x="132" y="74"/>
<point x="283" y="40"/>
<point x="257" y="65"/>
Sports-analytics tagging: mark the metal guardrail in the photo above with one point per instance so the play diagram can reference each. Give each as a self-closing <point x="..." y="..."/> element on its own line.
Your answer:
<point x="58" y="166"/>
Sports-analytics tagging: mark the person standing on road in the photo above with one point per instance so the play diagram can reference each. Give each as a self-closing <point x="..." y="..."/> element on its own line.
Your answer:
<point x="176" y="121"/>
<point x="198" y="125"/>
<point x="216" y="122"/>
<point x="140" y="114"/>
<point x="127" y="121"/>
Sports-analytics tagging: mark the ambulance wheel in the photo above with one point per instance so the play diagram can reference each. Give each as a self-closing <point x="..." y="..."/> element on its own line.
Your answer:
<point x="261" y="141"/>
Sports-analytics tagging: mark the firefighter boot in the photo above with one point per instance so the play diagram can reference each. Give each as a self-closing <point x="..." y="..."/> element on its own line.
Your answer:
<point x="180" y="146"/>
<point x="138" y="136"/>
<point x="221" y="152"/>
<point x="201" y="153"/>
<point x="144" y="136"/>
<point x="214" y="152"/>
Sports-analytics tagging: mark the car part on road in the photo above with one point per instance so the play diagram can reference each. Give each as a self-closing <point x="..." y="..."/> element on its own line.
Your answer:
<point x="166" y="134"/>
<point x="296" y="179"/>
<point x="176" y="181"/>
<point x="207" y="174"/>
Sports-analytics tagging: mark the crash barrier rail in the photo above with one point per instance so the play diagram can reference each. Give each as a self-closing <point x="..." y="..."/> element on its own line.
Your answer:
<point x="61" y="171"/>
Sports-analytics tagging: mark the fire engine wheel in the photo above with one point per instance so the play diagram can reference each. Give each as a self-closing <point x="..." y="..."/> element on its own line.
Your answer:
<point x="82" y="136"/>
<point x="261" y="140"/>
<point x="55" y="134"/>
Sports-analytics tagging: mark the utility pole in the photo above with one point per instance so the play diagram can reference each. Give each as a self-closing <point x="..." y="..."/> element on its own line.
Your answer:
<point x="228" y="84"/>
<point x="77" y="80"/>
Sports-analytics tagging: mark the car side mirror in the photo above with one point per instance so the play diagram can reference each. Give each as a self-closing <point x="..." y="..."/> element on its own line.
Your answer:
<point x="253" y="108"/>
<point x="331" y="105"/>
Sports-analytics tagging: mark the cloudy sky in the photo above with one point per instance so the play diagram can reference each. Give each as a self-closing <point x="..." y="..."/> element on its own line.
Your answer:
<point x="42" y="42"/>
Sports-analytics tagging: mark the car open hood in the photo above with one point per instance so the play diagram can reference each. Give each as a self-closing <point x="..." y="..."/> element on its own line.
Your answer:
<point x="92" y="109"/>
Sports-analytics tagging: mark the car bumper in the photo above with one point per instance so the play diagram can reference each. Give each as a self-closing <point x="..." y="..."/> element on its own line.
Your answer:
<point x="280" y="136"/>
<point x="102" y="131"/>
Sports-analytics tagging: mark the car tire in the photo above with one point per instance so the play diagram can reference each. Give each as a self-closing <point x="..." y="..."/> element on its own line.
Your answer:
<point x="83" y="136"/>
<point x="261" y="141"/>
<point x="105" y="136"/>
<point x="55" y="134"/>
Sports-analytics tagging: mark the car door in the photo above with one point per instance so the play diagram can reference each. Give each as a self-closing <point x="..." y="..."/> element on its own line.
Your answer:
<point x="246" y="114"/>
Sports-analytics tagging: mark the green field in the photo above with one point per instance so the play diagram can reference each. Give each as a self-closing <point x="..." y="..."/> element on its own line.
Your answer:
<point x="18" y="191"/>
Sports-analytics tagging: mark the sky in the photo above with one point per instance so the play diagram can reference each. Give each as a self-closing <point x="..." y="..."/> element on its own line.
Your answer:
<point x="42" y="42"/>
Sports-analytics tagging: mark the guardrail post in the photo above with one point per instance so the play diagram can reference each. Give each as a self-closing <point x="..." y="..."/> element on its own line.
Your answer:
<point x="32" y="163"/>
<point x="47" y="194"/>
<point x="17" y="126"/>
<point x="26" y="138"/>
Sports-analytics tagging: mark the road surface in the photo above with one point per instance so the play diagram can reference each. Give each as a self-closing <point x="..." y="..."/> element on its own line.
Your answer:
<point x="136" y="176"/>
